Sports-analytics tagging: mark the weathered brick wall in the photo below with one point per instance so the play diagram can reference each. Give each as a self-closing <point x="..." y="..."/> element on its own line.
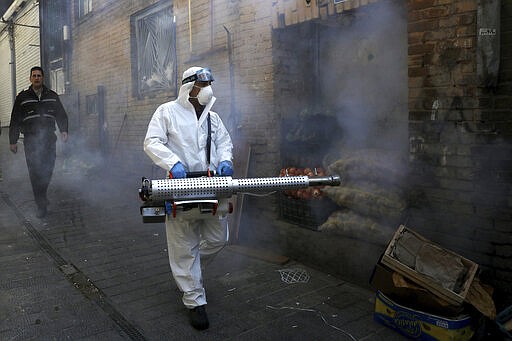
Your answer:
<point x="460" y="137"/>
<point x="202" y="41"/>
<point x="255" y="82"/>
<point x="459" y="133"/>
<point x="101" y="56"/>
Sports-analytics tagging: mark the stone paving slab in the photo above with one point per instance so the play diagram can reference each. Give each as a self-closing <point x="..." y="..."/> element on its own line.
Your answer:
<point x="36" y="301"/>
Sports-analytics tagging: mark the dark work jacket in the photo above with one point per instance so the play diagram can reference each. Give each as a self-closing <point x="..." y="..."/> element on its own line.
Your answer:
<point x="31" y="115"/>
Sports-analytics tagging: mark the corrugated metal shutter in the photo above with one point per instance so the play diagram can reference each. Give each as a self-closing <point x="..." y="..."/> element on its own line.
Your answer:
<point x="28" y="52"/>
<point x="6" y="100"/>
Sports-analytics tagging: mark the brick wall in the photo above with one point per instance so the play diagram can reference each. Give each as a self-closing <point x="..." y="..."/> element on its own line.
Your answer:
<point x="101" y="56"/>
<point x="460" y="137"/>
<point x="258" y="121"/>
<point x="459" y="133"/>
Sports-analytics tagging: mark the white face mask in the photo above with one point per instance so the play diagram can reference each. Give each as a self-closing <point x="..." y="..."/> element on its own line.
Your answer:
<point x="205" y="95"/>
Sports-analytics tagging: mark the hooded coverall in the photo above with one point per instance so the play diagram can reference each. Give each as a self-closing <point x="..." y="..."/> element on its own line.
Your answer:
<point x="176" y="134"/>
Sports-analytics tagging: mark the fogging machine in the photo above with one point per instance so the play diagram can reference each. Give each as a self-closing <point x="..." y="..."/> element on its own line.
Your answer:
<point x="203" y="190"/>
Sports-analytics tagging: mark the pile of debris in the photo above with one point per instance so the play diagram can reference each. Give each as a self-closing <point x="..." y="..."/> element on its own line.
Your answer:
<point x="427" y="292"/>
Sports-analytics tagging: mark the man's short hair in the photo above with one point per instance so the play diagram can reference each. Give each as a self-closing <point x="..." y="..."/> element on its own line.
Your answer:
<point x="37" y="68"/>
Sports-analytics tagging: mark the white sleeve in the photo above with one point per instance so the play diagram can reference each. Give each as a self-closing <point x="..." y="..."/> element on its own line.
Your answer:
<point x="155" y="142"/>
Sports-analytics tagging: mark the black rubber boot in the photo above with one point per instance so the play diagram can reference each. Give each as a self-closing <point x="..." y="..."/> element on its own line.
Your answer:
<point x="198" y="318"/>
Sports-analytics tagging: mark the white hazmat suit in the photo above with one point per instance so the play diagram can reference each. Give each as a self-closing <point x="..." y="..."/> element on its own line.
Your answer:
<point x="176" y="134"/>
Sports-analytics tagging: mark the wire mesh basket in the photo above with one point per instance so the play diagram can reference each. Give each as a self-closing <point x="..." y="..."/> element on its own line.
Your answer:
<point x="308" y="214"/>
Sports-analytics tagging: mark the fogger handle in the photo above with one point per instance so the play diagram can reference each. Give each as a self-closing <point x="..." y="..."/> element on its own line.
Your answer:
<point x="200" y="174"/>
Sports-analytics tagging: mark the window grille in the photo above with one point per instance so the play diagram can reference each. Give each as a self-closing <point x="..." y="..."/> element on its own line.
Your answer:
<point x="83" y="7"/>
<point x="57" y="80"/>
<point x="154" y="50"/>
<point x="91" y="104"/>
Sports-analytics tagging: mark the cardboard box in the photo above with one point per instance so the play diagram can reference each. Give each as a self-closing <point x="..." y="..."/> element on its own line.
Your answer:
<point x="403" y="291"/>
<point x="435" y="286"/>
<point x="419" y="325"/>
<point x="504" y="321"/>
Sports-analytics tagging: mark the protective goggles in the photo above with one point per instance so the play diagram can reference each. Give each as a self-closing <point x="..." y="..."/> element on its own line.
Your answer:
<point x="203" y="75"/>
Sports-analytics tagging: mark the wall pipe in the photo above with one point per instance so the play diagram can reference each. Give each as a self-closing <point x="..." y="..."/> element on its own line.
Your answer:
<point x="190" y="25"/>
<point x="13" y="60"/>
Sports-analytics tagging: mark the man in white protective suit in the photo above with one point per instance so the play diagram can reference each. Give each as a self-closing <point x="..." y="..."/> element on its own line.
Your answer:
<point x="183" y="136"/>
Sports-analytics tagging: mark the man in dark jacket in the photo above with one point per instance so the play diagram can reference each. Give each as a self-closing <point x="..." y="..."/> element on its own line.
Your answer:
<point x="35" y="112"/>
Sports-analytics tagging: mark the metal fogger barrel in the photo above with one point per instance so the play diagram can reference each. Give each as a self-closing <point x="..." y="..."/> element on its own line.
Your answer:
<point x="225" y="186"/>
<point x="167" y="196"/>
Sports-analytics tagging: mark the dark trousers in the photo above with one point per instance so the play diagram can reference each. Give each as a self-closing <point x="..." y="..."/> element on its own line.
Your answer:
<point x="40" y="153"/>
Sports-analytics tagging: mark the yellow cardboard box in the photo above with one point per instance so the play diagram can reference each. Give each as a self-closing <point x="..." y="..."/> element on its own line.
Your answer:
<point x="419" y="325"/>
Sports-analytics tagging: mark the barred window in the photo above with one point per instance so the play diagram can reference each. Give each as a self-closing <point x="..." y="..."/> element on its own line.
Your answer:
<point x="153" y="50"/>
<point x="57" y="81"/>
<point x="83" y="7"/>
<point x="91" y="104"/>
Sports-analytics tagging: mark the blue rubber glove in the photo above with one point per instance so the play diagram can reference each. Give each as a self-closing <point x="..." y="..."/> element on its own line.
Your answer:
<point x="225" y="168"/>
<point x="178" y="171"/>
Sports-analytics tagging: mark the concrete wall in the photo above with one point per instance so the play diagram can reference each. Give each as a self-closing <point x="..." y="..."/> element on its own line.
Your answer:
<point x="460" y="136"/>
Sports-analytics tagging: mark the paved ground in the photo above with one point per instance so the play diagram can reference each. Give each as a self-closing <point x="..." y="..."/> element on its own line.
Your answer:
<point x="92" y="270"/>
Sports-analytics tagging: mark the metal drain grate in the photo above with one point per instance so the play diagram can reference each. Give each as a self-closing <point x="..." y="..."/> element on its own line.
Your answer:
<point x="290" y="276"/>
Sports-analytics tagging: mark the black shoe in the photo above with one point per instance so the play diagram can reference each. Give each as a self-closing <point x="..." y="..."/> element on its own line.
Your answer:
<point x="41" y="212"/>
<point x="198" y="318"/>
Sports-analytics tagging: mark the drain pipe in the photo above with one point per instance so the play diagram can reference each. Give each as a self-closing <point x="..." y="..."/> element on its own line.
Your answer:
<point x="234" y="113"/>
<point x="13" y="60"/>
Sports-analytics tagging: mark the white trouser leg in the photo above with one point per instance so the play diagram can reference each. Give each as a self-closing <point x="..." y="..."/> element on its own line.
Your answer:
<point x="214" y="236"/>
<point x="184" y="237"/>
